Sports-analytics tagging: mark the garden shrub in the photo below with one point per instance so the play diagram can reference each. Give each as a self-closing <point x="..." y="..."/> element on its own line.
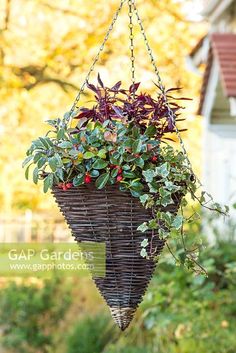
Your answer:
<point x="90" y="335"/>
<point x="30" y="315"/>
<point x="188" y="313"/>
<point x="185" y="313"/>
<point x="182" y="313"/>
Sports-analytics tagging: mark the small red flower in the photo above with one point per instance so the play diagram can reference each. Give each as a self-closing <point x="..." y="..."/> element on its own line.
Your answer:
<point x="119" y="178"/>
<point x="87" y="179"/>
<point x="120" y="171"/>
<point x="60" y="185"/>
<point x="69" y="185"/>
<point x="154" y="158"/>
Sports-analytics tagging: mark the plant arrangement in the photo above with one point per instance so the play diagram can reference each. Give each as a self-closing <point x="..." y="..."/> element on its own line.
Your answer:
<point x="126" y="138"/>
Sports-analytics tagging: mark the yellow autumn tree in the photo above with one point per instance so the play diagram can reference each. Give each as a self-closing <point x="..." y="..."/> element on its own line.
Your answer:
<point x="47" y="47"/>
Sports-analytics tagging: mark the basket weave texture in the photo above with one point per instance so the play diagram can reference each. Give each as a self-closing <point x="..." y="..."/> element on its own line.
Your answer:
<point x="112" y="216"/>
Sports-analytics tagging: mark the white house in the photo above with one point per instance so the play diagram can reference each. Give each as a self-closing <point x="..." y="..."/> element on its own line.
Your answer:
<point x="217" y="50"/>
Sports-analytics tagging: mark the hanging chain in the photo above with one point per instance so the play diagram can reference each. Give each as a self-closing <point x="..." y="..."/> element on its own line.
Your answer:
<point x="163" y="91"/>
<point x="132" y="9"/>
<point x="69" y="116"/>
<point x="131" y="37"/>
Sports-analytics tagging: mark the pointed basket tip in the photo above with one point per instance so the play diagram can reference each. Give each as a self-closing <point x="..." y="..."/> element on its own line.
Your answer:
<point x="122" y="316"/>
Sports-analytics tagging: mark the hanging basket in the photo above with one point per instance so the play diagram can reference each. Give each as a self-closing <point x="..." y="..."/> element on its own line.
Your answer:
<point x="112" y="217"/>
<point x="110" y="175"/>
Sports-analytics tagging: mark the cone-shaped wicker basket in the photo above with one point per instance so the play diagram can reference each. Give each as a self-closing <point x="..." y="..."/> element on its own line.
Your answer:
<point x="112" y="217"/>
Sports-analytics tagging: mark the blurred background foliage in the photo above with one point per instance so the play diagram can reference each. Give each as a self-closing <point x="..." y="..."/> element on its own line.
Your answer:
<point x="46" y="48"/>
<point x="181" y="313"/>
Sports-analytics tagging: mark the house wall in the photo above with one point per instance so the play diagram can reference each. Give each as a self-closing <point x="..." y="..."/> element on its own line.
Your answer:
<point x="221" y="109"/>
<point x="219" y="177"/>
<point x="226" y="22"/>
<point x="219" y="143"/>
<point x="219" y="151"/>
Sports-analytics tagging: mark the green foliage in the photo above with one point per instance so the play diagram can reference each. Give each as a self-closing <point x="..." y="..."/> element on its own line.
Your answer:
<point x="185" y="313"/>
<point x="181" y="313"/>
<point x="30" y="314"/>
<point x="188" y="313"/>
<point x="90" y="335"/>
<point x="127" y="349"/>
<point x="121" y="140"/>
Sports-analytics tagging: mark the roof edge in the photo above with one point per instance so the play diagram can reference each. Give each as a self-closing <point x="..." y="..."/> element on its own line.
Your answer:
<point x="218" y="42"/>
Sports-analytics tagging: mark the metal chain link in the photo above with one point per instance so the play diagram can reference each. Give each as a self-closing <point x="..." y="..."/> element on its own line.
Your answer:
<point x="163" y="90"/>
<point x="131" y="37"/>
<point x="68" y="118"/>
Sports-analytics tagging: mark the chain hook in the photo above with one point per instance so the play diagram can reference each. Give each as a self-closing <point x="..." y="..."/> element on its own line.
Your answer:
<point x="131" y="37"/>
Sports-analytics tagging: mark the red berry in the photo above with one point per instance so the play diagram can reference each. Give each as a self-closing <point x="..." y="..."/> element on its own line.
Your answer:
<point x="119" y="178"/>
<point x="154" y="158"/>
<point x="87" y="179"/>
<point x="120" y="171"/>
<point x="64" y="187"/>
<point x="69" y="185"/>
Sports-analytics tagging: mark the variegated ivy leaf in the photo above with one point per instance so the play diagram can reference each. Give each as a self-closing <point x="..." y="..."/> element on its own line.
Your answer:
<point x="143" y="227"/>
<point x="143" y="252"/>
<point x="149" y="175"/>
<point x="144" y="243"/>
<point x="163" y="233"/>
<point x="171" y="186"/>
<point x="165" y="201"/>
<point x="163" y="170"/>
<point x="163" y="192"/>
<point x="153" y="187"/>
<point x="165" y="197"/>
<point x="144" y="198"/>
<point x="177" y="222"/>
<point x="153" y="224"/>
<point x="168" y="218"/>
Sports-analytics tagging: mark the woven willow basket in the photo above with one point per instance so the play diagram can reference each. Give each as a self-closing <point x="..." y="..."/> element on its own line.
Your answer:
<point x="112" y="216"/>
